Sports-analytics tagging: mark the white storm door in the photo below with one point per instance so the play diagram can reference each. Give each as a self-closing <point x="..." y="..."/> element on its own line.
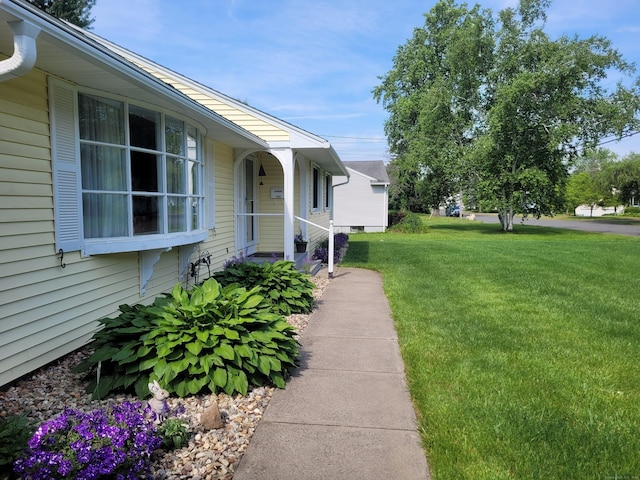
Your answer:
<point x="249" y="204"/>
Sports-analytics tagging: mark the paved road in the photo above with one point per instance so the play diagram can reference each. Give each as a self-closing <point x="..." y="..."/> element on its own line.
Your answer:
<point x="578" y="224"/>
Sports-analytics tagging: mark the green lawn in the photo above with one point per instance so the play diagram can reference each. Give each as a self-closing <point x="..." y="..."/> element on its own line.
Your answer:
<point x="522" y="350"/>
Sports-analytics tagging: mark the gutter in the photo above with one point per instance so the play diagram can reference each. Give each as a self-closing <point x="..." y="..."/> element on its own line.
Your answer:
<point x="24" y="50"/>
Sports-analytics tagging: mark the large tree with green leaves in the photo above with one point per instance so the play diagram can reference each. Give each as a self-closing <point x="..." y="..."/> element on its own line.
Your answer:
<point x="590" y="183"/>
<point x="501" y="109"/>
<point x="548" y="104"/>
<point x="624" y="179"/>
<point x="582" y="190"/>
<point x="77" y="12"/>
<point x="434" y="96"/>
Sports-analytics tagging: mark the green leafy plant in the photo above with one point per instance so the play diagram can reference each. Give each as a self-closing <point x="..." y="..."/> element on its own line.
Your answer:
<point x="632" y="211"/>
<point x="410" y="223"/>
<point x="15" y="432"/>
<point x="118" y="350"/>
<point x="174" y="433"/>
<point x="211" y="338"/>
<point x="287" y="289"/>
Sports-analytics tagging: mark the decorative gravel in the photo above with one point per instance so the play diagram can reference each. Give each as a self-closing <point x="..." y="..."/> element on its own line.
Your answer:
<point x="210" y="454"/>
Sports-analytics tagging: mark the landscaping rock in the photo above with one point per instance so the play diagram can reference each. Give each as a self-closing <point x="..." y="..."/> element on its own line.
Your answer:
<point x="211" y="419"/>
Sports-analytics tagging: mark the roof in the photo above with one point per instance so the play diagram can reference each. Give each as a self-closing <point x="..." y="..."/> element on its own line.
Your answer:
<point x="374" y="169"/>
<point x="65" y="52"/>
<point x="316" y="148"/>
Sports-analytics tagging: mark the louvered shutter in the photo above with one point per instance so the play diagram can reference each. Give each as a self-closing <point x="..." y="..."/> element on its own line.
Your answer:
<point x="66" y="166"/>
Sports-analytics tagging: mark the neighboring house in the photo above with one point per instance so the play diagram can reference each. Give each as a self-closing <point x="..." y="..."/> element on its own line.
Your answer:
<point x="115" y="182"/>
<point x="597" y="211"/>
<point x="362" y="203"/>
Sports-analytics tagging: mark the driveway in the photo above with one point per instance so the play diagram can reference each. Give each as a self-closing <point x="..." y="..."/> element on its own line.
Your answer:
<point x="581" y="223"/>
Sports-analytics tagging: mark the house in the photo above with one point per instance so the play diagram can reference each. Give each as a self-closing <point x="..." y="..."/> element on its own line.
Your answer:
<point x="115" y="184"/>
<point x="362" y="203"/>
<point x="597" y="211"/>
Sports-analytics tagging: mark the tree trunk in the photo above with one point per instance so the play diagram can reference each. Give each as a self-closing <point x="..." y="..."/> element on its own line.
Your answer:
<point x="506" y="219"/>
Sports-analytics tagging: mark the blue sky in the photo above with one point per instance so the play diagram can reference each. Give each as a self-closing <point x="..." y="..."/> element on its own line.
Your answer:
<point x="314" y="63"/>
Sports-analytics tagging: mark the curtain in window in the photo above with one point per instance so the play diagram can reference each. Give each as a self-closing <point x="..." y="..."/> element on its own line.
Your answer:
<point x="103" y="166"/>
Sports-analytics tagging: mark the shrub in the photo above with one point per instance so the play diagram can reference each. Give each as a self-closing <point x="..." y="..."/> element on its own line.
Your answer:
<point x="632" y="211"/>
<point x="209" y="339"/>
<point x="113" y="443"/>
<point x="288" y="290"/>
<point x="15" y="431"/>
<point x="411" y="223"/>
<point x="395" y="217"/>
<point x="340" y="244"/>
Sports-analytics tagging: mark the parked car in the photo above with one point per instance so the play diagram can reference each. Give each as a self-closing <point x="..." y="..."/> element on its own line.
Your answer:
<point x="452" y="211"/>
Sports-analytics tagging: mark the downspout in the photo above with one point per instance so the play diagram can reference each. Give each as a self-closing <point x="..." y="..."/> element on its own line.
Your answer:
<point x="24" y="50"/>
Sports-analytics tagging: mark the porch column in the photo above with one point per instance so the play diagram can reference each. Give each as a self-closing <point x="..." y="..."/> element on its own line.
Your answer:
<point x="285" y="157"/>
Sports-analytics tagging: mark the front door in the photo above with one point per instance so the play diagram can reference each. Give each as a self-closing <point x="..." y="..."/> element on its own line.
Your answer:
<point x="248" y="222"/>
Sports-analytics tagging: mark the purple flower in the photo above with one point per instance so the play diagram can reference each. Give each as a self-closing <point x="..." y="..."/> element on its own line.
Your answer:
<point x="114" y="442"/>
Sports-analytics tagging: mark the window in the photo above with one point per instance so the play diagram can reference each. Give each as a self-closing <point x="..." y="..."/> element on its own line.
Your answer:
<point x="327" y="192"/>
<point x="316" y="192"/>
<point x="140" y="174"/>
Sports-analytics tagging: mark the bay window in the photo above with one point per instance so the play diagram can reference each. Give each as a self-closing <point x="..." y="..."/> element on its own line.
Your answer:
<point x="140" y="174"/>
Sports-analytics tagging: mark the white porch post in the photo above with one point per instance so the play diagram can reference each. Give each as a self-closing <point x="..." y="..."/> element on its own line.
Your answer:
<point x="285" y="156"/>
<point x="331" y="250"/>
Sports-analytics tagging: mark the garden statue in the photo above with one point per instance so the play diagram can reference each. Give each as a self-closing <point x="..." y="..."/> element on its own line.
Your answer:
<point x="158" y="403"/>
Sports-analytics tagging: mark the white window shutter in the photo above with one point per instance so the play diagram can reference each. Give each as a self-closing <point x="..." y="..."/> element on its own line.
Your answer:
<point x="210" y="182"/>
<point x="66" y="166"/>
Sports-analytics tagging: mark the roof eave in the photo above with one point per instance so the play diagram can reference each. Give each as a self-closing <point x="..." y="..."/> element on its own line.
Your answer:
<point x="86" y="52"/>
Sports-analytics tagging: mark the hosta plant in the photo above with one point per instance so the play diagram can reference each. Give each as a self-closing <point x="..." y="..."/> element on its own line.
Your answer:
<point x="113" y="443"/>
<point x="208" y="339"/>
<point x="118" y="349"/>
<point x="287" y="289"/>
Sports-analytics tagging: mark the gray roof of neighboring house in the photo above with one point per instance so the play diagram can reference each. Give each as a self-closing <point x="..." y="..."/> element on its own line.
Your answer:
<point x="371" y="168"/>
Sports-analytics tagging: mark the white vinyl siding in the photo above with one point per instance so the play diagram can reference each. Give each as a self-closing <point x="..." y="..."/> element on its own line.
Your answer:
<point x="359" y="203"/>
<point x="47" y="311"/>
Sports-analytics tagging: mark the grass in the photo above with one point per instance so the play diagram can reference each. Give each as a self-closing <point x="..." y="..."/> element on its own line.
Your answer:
<point x="522" y="350"/>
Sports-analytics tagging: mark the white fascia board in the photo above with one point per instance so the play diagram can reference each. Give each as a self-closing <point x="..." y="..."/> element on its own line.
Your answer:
<point x="67" y="36"/>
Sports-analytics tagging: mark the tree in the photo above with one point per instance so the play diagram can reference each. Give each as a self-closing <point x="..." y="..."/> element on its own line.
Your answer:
<point x="404" y="188"/>
<point x="75" y="11"/>
<point x="501" y="110"/>
<point x="433" y="95"/>
<point x="547" y="104"/>
<point x="624" y="178"/>
<point x="590" y="182"/>
<point x="582" y="190"/>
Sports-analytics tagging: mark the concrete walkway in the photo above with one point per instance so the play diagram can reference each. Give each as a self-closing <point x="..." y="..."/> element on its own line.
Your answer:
<point x="346" y="413"/>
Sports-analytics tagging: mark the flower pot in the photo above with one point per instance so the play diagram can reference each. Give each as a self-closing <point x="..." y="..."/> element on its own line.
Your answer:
<point x="301" y="247"/>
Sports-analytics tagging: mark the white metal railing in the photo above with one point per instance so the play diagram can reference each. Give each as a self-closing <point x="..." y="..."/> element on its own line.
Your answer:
<point x="331" y="241"/>
<point x="304" y="220"/>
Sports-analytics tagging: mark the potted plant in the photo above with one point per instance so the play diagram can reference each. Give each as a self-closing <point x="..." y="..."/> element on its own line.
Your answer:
<point x="301" y="243"/>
